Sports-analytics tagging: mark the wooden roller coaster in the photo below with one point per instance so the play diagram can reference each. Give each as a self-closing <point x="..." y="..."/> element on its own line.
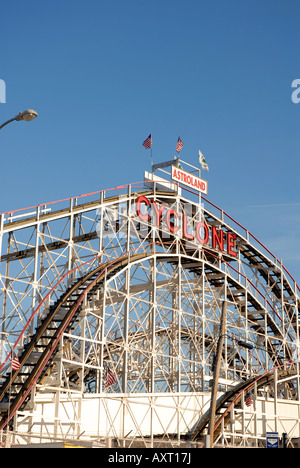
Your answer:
<point x="39" y="353"/>
<point x="266" y="302"/>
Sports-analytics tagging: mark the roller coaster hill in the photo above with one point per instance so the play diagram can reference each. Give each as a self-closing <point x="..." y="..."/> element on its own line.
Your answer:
<point x="111" y="305"/>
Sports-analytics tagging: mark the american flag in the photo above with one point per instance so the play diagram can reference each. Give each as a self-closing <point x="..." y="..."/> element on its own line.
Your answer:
<point x="148" y="142"/>
<point x="110" y="379"/>
<point x="15" y="363"/>
<point x="179" y="145"/>
<point x="249" y="400"/>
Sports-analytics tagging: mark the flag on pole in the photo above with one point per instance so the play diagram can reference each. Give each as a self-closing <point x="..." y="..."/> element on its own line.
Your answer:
<point x="110" y="378"/>
<point x="179" y="145"/>
<point x="148" y="142"/>
<point x="15" y="363"/>
<point x="203" y="162"/>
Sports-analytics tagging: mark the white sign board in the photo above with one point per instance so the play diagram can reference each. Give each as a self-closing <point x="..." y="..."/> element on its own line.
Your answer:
<point x="186" y="178"/>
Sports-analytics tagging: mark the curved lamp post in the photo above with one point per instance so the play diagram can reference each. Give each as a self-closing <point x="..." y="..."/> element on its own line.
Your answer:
<point x="28" y="115"/>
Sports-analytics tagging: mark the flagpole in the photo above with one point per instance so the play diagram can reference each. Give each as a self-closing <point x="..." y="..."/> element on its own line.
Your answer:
<point x="151" y="154"/>
<point x="203" y="165"/>
<point x="199" y="200"/>
<point x="151" y="160"/>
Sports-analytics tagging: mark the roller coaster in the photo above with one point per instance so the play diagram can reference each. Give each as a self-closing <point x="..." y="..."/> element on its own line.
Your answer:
<point x="130" y="282"/>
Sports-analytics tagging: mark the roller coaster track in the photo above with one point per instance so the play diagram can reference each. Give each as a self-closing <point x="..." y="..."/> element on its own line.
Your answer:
<point x="233" y="398"/>
<point x="263" y="260"/>
<point x="38" y="354"/>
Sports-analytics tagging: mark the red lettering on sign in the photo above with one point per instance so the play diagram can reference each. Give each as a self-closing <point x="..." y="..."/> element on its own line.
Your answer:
<point x="142" y="199"/>
<point x="201" y="230"/>
<point x="171" y="225"/>
<point x="199" y="226"/>
<point x="158" y="212"/>
<point x="230" y="243"/>
<point x="217" y="238"/>
<point x="185" y="232"/>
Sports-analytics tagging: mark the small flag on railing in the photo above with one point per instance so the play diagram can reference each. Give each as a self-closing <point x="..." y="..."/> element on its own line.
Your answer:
<point x="249" y="400"/>
<point x="15" y="363"/>
<point x="110" y="379"/>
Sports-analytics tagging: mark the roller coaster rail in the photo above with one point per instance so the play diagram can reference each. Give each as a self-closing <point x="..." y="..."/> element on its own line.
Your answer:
<point x="89" y="285"/>
<point x="24" y="388"/>
<point x="233" y="398"/>
<point x="9" y="218"/>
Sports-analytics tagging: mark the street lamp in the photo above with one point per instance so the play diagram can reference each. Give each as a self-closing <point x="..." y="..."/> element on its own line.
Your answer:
<point x="28" y="115"/>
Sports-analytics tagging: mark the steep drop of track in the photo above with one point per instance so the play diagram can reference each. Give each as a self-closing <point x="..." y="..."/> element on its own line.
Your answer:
<point x="38" y="354"/>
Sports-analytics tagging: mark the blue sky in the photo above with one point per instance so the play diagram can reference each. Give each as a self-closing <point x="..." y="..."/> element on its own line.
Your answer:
<point x="102" y="75"/>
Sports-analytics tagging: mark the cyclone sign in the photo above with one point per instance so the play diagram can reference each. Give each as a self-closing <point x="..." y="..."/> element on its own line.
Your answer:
<point x="179" y="223"/>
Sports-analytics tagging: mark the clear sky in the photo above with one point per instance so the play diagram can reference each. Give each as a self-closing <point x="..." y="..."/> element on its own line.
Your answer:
<point x="102" y="75"/>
